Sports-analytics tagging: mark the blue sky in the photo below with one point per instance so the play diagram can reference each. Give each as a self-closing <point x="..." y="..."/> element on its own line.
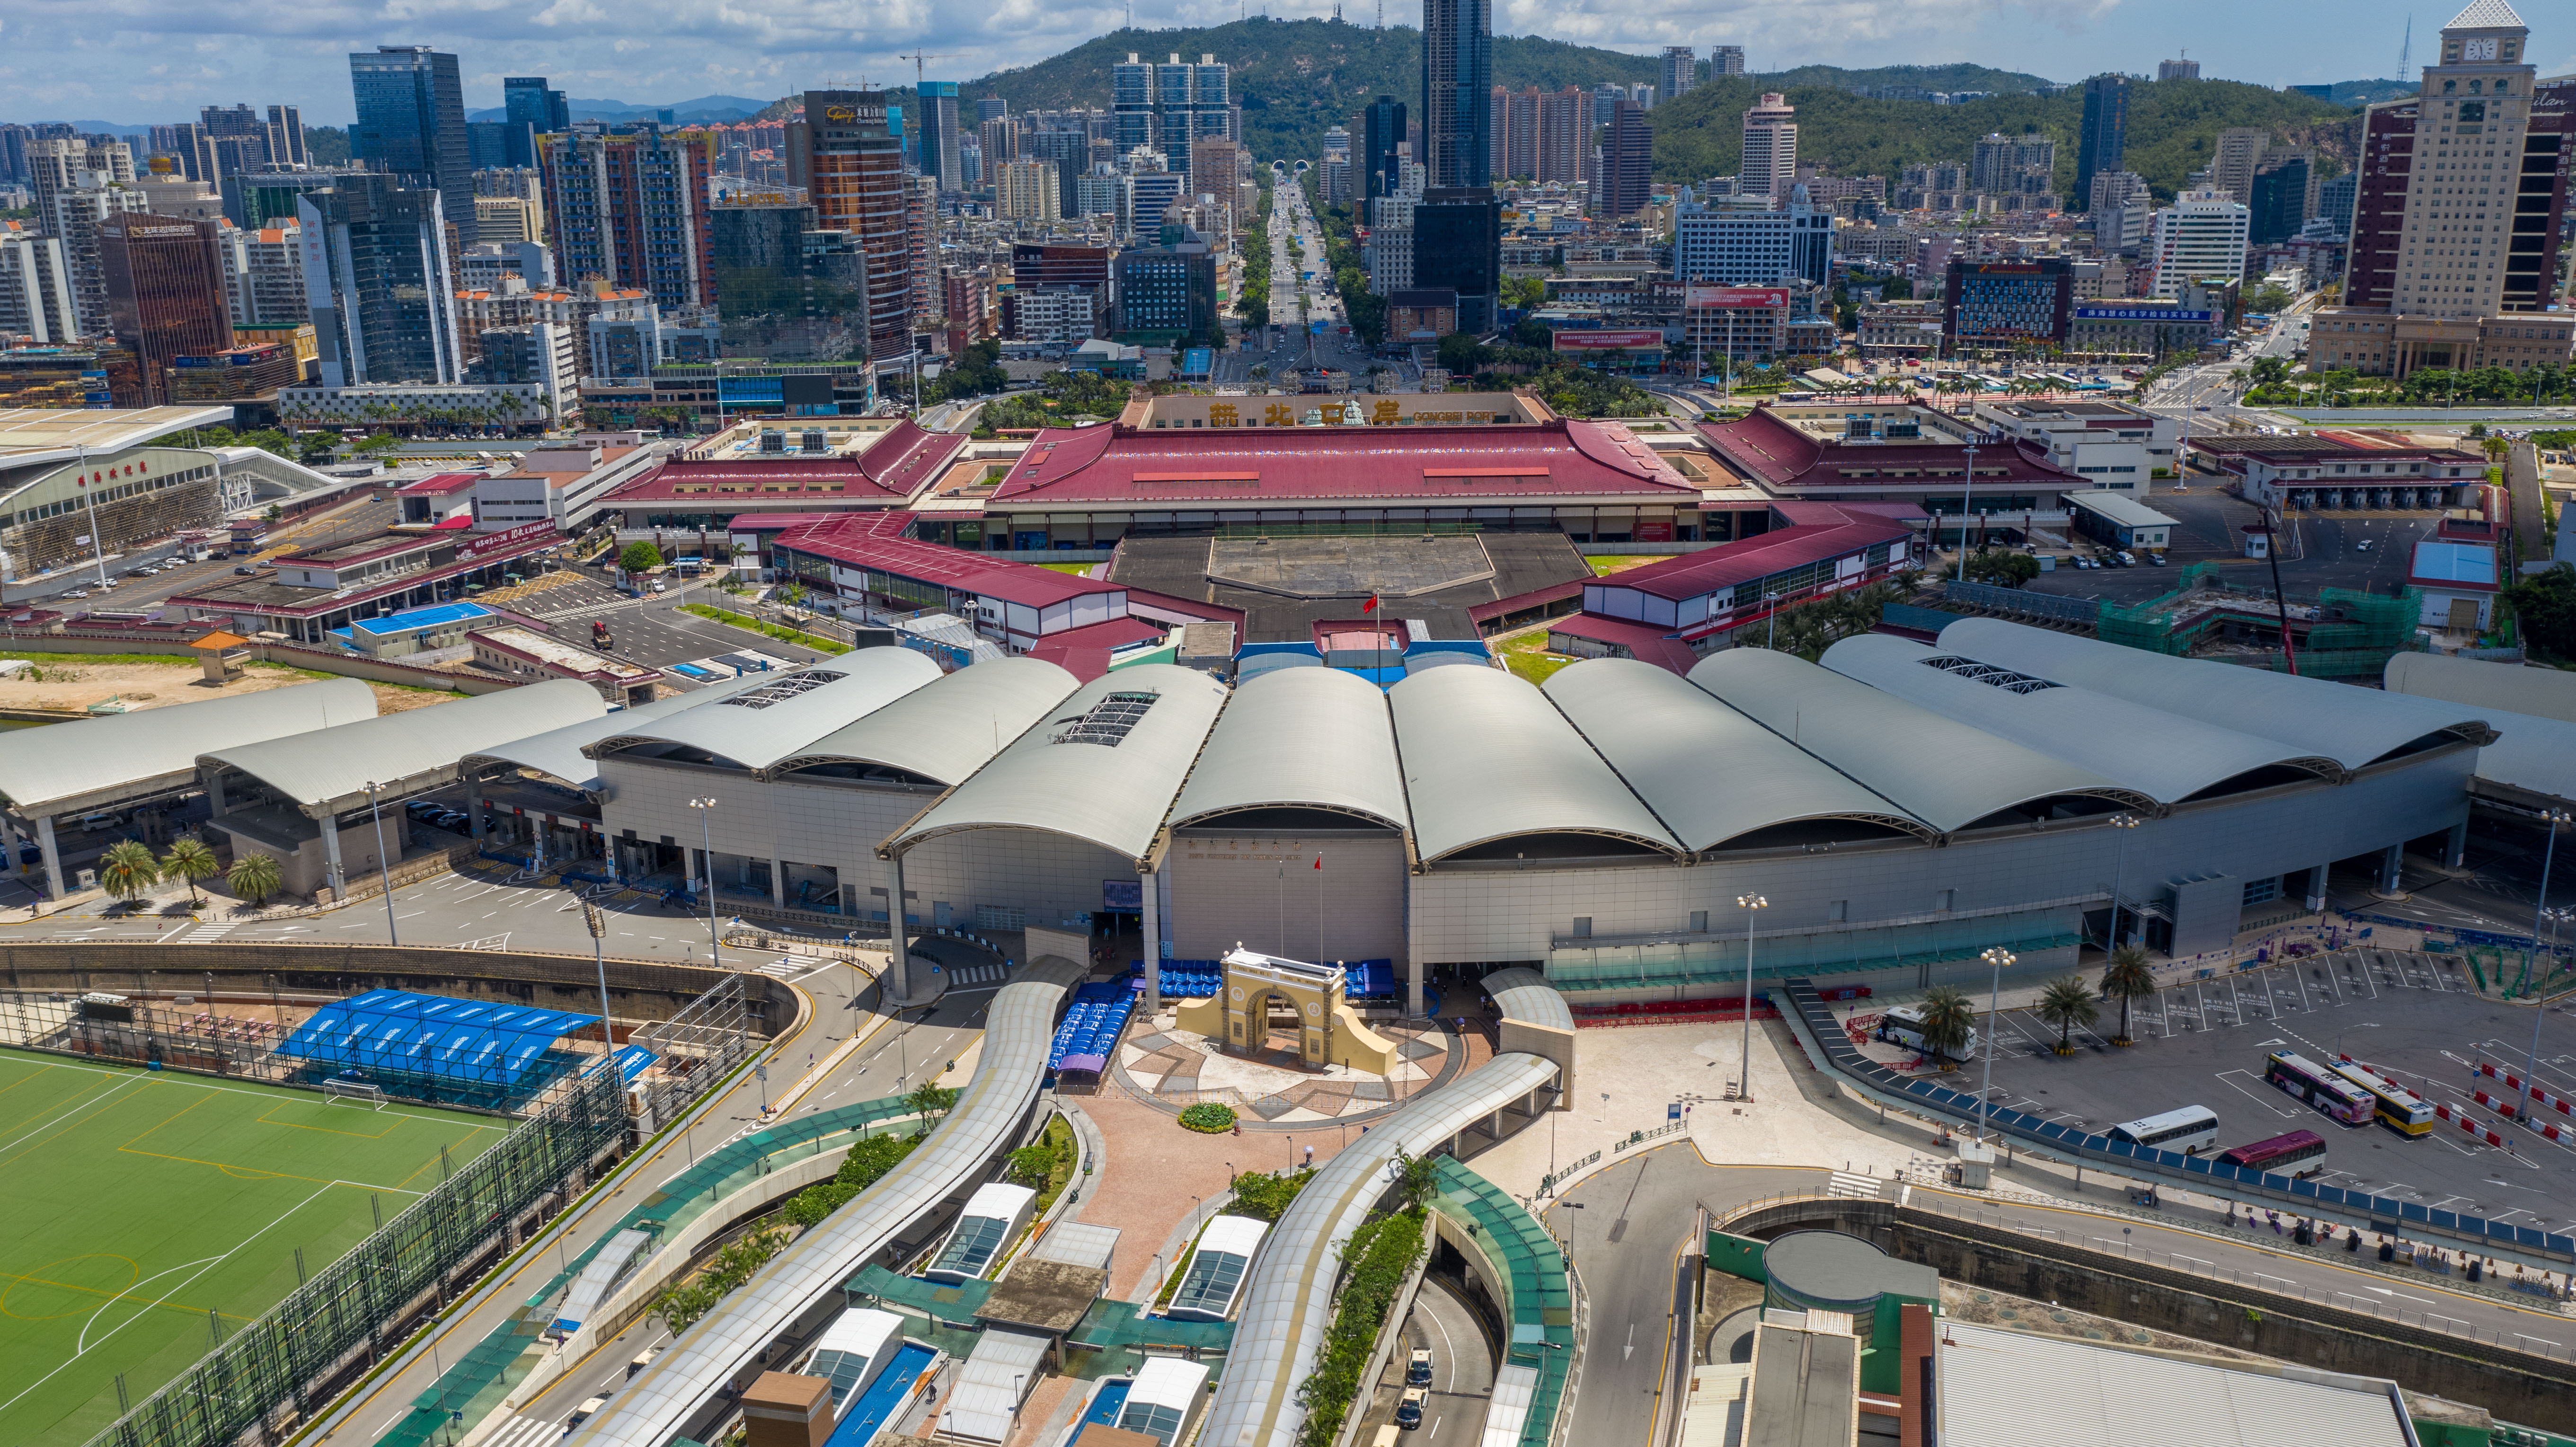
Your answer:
<point x="139" y="61"/>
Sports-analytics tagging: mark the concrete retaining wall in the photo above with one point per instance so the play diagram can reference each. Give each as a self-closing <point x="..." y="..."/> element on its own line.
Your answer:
<point x="2509" y="1383"/>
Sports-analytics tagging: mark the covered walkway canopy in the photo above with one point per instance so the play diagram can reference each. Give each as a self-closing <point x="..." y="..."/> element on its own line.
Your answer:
<point x="1492" y="770"/>
<point x="940" y="733"/>
<point x="2352" y="726"/>
<point x="559" y="754"/>
<point x="782" y="714"/>
<point x="1946" y="773"/>
<point x="1103" y="766"/>
<point x="119" y="760"/>
<point x="1664" y="736"/>
<point x="2163" y="755"/>
<point x="327" y="773"/>
<point x="1311" y="740"/>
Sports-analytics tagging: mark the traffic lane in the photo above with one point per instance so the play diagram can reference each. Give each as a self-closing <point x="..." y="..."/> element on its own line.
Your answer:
<point x="1462" y="1368"/>
<point x="384" y="1401"/>
<point x="1625" y="1226"/>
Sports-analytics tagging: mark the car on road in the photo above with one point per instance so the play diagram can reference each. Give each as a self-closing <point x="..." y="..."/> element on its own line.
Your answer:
<point x="2363" y="546"/>
<point x="77" y="593"/>
<point x="2128" y="561"/>
<point x="1417" y="1367"/>
<point x="1408" y="1408"/>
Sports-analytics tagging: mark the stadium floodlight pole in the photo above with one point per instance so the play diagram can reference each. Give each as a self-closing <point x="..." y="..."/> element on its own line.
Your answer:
<point x="383" y="870"/>
<point x="2123" y="823"/>
<point x="2001" y="959"/>
<point x="2540" y="1012"/>
<point x="1753" y="905"/>
<point x="707" y="860"/>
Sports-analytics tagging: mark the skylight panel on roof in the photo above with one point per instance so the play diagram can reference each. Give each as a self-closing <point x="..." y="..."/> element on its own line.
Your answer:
<point x="1106" y="722"/>
<point x="804" y="680"/>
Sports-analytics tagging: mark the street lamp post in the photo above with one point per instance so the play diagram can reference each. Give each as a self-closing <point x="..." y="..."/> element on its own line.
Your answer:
<point x="2124" y="823"/>
<point x="2539" y="1012"/>
<point x="1771" y="620"/>
<point x="2001" y="959"/>
<point x="1752" y="905"/>
<point x="707" y="861"/>
<point x="384" y="871"/>
<point x="597" y="924"/>
<point x="1967" y="501"/>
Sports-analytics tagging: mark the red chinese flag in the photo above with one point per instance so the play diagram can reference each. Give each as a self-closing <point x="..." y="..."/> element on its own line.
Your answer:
<point x="1371" y="605"/>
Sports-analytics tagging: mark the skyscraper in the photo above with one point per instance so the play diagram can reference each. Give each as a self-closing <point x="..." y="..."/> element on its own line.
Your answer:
<point x="2177" y="70"/>
<point x="1725" y="60"/>
<point x="1170" y="106"/>
<point x="2278" y="197"/>
<point x="2201" y="236"/>
<point x="847" y="152"/>
<point x="932" y="123"/>
<point x="1457" y="84"/>
<point x="2106" y="132"/>
<point x="1770" y="148"/>
<point x="1681" y="69"/>
<point x="375" y="280"/>
<point x="165" y="292"/>
<point x="1458" y="244"/>
<point x="1627" y="162"/>
<point x="530" y="110"/>
<point x="1565" y="136"/>
<point x="1382" y="133"/>
<point x="628" y="207"/>
<point x="411" y="124"/>
<point x="1519" y="157"/>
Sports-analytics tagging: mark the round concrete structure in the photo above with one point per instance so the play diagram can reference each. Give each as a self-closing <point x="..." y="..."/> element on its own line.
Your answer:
<point x="1827" y="1271"/>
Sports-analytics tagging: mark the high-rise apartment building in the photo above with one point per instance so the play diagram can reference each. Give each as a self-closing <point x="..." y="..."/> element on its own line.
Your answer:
<point x="1169" y="106"/>
<point x="1026" y="191"/>
<point x="1457" y="90"/>
<point x="930" y="123"/>
<point x="2000" y="162"/>
<point x="1725" y="60"/>
<point x="2177" y="70"/>
<point x="1627" y="163"/>
<point x="2105" y="136"/>
<point x="2120" y="206"/>
<point x="78" y="185"/>
<point x="411" y="124"/>
<point x="2277" y="197"/>
<point x="1770" y="148"/>
<point x="1066" y="149"/>
<point x="1512" y="149"/>
<point x="1381" y="143"/>
<point x="848" y="157"/>
<point x="233" y="140"/>
<point x="1753" y="248"/>
<point x="1565" y="137"/>
<point x="1458" y="244"/>
<point x="628" y="207"/>
<point x="2231" y="165"/>
<point x="264" y="275"/>
<point x="1681" y="69"/>
<point x="921" y="236"/>
<point x="2334" y="201"/>
<point x="999" y="140"/>
<point x="36" y="290"/>
<point x="165" y="292"/>
<point x="2201" y="236"/>
<point x="991" y="108"/>
<point x="376" y="282"/>
<point x="508" y="219"/>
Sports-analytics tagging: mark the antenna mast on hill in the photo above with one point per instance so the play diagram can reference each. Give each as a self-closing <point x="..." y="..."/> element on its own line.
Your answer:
<point x="2406" y="50"/>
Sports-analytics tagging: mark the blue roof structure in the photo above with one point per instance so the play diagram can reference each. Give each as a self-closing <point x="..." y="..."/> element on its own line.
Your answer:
<point x="436" y="1046"/>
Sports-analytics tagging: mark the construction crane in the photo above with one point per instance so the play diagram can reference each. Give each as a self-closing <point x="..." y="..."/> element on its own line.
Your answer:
<point x="919" y="62"/>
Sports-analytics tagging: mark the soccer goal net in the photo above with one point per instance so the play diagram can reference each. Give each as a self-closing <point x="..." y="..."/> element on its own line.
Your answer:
<point x="353" y="1092"/>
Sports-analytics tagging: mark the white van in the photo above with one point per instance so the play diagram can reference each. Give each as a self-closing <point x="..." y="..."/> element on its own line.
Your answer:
<point x="1903" y="1025"/>
<point x="584" y="1412"/>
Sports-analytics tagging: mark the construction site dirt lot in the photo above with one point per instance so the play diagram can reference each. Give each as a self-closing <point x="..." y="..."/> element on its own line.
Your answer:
<point x="68" y="684"/>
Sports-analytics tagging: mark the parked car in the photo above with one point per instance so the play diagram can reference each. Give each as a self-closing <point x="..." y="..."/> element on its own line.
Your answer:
<point x="2128" y="561"/>
<point x="2156" y="558"/>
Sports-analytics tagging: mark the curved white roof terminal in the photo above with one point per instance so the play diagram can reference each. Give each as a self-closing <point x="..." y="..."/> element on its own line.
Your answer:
<point x="1301" y="738"/>
<point x="1487" y="758"/>
<point x="785" y="711"/>
<point x="947" y="729"/>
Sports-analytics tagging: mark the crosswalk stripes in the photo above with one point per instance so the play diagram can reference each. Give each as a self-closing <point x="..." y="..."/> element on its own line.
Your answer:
<point x="962" y="975"/>
<point x="524" y="1432"/>
<point x="1858" y="1187"/>
<point x="206" y="934"/>
<point x="791" y="967"/>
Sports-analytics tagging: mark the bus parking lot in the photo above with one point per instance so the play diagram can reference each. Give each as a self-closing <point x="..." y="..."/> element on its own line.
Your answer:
<point x="2205" y="1042"/>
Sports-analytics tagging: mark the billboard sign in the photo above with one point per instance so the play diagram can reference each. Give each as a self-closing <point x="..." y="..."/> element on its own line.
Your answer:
<point x="2141" y="314"/>
<point x="1737" y="296"/>
<point x="1608" y="341"/>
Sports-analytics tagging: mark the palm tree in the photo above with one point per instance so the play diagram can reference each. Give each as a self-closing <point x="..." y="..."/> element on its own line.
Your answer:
<point x="255" y="877"/>
<point x="1948" y="1019"/>
<point x="188" y="859"/>
<point x="2067" y="1002"/>
<point x="128" y="869"/>
<point x="2126" y="978"/>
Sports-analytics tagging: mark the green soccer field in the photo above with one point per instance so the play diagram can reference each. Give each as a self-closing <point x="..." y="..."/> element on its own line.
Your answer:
<point x="140" y="1206"/>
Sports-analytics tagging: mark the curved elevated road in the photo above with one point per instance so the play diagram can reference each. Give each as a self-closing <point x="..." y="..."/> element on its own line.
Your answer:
<point x="808" y="1274"/>
<point x="1280" y="1331"/>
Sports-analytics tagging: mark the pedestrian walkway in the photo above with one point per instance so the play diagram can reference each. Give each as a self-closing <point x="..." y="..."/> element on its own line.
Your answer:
<point x="207" y="934"/>
<point x="524" y="1432"/>
<point x="963" y="976"/>
<point x="1859" y="1188"/>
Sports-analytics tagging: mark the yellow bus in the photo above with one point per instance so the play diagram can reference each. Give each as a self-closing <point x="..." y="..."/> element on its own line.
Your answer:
<point x="2402" y="1110"/>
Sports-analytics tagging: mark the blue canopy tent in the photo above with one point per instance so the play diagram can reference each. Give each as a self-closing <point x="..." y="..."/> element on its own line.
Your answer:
<point x="436" y="1047"/>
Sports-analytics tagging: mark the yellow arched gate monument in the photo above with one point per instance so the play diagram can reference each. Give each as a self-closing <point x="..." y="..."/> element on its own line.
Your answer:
<point x="1329" y="1032"/>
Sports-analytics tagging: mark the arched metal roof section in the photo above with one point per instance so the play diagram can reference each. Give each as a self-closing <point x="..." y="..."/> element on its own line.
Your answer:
<point x="988" y="1114"/>
<point x="1102" y="766"/>
<point x="1709" y="772"/>
<point x="2352" y="726"/>
<point x="1300" y="738"/>
<point x="2163" y="755"/>
<point x="777" y="717"/>
<point x="1525" y="995"/>
<point x="558" y="753"/>
<point x="1487" y="758"/>
<point x="327" y="772"/>
<point x="2538" y="692"/>
<point x="1279" y="1331"/>
<point x="946" y="729"/>
<point x="86" y="762"/>
<point x="1941" y="771"/>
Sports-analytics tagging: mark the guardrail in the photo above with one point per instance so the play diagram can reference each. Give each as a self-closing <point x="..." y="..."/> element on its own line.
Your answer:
<point x="1816" y="1027"/>
<point x="2029" y="605"/>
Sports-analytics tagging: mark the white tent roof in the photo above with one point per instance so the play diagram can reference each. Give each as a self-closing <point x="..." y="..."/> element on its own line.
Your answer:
<point x="90" y="762"/>
<point x="1487" y="758"/>
<point x="1308" y="738"/>
<point x="327" y="772"/>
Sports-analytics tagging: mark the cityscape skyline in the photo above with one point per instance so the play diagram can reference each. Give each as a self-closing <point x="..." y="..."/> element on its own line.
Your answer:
<point x="663" y="56"/>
